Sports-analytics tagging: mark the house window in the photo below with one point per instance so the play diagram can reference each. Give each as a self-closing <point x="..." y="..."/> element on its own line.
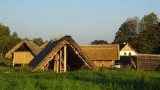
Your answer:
<point x="130" y="54"/>
<point x="125" y="54"/>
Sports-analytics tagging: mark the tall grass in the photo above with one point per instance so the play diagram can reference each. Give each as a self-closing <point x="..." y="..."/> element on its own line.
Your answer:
<point x="17" y="78"/>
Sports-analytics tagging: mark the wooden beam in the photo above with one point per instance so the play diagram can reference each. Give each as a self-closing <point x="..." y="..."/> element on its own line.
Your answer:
<point x="57" y="66"/>
<point x="65" y="58"/>
<point x="13" y="61"/>
<point x="60" y="61"/>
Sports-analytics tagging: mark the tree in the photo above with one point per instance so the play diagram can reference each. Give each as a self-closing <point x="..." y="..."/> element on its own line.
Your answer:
<point x="4" y="30"/>
<point x="99" y="42"/>
<point x="7" y="41"/>
<point x="128" y="31"/>
<point x="143" y="35"/>
<point x="38" y="41"/>
<point x="14" y="40"/>
<point x="148" y="34"/>
<point x="4" y="38"/>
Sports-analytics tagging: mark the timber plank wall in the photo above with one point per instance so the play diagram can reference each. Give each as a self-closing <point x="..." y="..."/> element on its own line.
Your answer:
<point x="148" y="61"/>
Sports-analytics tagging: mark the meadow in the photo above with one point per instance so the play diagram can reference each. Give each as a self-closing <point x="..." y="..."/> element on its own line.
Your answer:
<point x="21" y="78"/>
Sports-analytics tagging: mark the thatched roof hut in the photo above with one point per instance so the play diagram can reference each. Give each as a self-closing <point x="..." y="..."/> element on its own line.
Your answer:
<point x="62" y="55"/>
<point x="102" y="55"/>
<point x="23" y="52"/>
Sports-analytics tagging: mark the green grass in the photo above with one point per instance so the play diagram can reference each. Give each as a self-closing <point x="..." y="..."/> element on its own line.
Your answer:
<point x="18" y="78"/>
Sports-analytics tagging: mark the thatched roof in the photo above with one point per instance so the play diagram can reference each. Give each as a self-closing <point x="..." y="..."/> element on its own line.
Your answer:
<point x="33" y="48"/>
<point x="53" y="47"/>
<point x="44" y="45"/>
<point x="102" y="52"/>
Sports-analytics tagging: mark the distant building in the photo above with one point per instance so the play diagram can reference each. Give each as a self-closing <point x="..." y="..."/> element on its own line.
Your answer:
<point x="102" y="55"/>
<point x="127" y="50"/>
<point x="23" y="52"/>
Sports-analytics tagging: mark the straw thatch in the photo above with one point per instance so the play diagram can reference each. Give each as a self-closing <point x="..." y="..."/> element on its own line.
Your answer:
<point x="73" y="57"/>
<point x="44" y="45"/>
<point x="102" y="55"/>
<point x="148" y="61"/>
<point x="23" y="52"/>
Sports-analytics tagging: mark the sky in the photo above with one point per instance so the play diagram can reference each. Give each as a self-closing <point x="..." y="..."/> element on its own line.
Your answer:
<point x="84" y="20"/>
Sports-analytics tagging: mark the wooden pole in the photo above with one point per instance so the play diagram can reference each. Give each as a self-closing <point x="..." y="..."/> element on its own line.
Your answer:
<point x="65" y="58"/>
<point x="57" y="62"/>
<point x="13" y="59"/>
<point x="60" y="61"/>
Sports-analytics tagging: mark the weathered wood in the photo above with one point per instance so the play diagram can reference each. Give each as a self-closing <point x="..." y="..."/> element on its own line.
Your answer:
<point x="57" y="70"/>
<point x="60" y="62"/>
<point x="76" y="55"/>
<point x="132" y="63"/>
<point x="148" y="62"/>
<point x="65" y="58"/>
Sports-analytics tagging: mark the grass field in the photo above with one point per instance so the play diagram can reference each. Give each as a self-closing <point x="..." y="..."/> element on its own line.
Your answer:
<point x="21" y="78"/>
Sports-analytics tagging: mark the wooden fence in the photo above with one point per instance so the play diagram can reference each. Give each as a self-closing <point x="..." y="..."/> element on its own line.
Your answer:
<point x="148" y="61"/>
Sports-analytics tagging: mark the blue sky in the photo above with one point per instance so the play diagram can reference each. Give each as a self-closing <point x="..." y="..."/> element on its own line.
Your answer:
<point x="84" y="20"/>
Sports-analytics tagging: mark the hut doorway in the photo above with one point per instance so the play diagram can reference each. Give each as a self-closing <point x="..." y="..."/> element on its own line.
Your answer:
<point x="66" y="59"/>
<point x="74" y="60"/>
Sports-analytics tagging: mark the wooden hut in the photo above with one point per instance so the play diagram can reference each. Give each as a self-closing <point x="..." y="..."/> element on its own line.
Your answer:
<point x="23" y="52"/>
<point x="62" y="55"/>
<point x="102" y="55"/>
<point x="148" y="61"/>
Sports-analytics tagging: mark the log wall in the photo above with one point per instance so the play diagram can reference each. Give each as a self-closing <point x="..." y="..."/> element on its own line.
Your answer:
<point x="148" y="61"/>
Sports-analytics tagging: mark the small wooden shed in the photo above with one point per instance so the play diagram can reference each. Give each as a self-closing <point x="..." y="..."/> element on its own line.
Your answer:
<point x="148" y="61"/>
<point x="62" y="55"/>
<point x="23" y="52"/>
<point x="102" y="55"/>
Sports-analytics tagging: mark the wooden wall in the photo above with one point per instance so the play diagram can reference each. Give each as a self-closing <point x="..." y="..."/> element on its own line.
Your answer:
<point x="104" y="63"/>
<point x="22" y="58"/>
<point x="148" y="61"/>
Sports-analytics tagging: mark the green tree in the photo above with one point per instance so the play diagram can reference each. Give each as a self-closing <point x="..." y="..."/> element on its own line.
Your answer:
<point x="143" y="35"/>
<point x="4" y="30"/>
<point x="7" y="41"/>
<point x="148" y="34"/>
<point x="38" y="41"/>
<point x="128" y="31"/>
<point x="4" y="38"/>
<point x="99" y="42"/>
<point x="14" y="40"/>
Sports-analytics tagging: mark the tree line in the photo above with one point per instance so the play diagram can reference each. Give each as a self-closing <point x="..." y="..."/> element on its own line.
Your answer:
<point x="8" y="40"/>
<point x="143" y="35"/>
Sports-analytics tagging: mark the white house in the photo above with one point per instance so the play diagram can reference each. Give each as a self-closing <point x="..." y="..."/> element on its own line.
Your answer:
<point x="127" y="50"/>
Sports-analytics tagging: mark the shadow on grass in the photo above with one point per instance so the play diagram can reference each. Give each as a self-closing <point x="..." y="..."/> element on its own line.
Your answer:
<point x="111" y="81"/>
